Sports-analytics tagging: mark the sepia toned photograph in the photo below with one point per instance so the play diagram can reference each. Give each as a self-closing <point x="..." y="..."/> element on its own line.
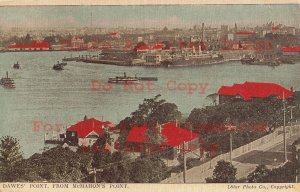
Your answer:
<point x="104" y="96"/>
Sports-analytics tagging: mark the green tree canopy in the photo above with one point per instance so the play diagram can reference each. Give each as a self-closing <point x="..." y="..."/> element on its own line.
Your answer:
<point x="55" y="165"/>
<point x="151" y="112"/>
<point x="10" y="157"/>
<point x="148" y="170"/>
<point x="10" y="151"/>
<point x="259" y="175"/>
<point x="224" y="172"/>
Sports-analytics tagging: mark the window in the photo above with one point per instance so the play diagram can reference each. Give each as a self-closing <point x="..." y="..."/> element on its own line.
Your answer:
<point x="73" y="134"/>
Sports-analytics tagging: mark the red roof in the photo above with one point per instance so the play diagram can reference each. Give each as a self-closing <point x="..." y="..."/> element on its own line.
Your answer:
<point x="84" y="128"/>
<point x="157" y="47"/>
<point x="286" y="49"/>
<point x="173" y="135"/>
<point x="113" y="33"/>
<point x="275" y="28"/>
<point x="250" y="90"/>
<point x="31" y="46"/>
<point x="245" y="33"/>
<point x="144" y="47"/>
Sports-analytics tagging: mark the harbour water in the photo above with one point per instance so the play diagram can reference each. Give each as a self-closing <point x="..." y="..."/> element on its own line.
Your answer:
<point x="65" y="97"/>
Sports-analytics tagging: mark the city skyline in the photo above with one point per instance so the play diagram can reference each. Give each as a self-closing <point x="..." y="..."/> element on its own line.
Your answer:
<point x="37" y="17"/>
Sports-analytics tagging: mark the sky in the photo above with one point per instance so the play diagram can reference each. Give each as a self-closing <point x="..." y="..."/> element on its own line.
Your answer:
<point x="172" y="16"/>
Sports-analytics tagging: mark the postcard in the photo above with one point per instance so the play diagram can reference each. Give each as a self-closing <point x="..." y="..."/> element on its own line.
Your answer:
<point x="149" y="96"/>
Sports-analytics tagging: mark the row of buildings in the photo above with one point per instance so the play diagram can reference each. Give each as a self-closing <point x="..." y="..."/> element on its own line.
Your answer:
<point x="225" y="37"/>
<point x="175" y="139"/>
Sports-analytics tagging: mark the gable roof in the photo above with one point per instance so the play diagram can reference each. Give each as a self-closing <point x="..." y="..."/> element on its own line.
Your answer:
<point x="84" y="128"/>
<point x="173" y="135"/>
<point x="143" y="47"/>
<point x="157" y="47"/>
<point x="250" y="90"/>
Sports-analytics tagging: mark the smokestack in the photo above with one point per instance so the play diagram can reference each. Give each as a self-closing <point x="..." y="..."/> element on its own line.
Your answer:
<point x="6" y="74"/>
<point x="235" y="27"/>
<point x="292" y="89"/>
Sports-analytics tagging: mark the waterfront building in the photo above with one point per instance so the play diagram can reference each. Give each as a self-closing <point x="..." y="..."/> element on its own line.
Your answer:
<point x="77" y="43"/>
<point x="34" y="46"/>
<point x="153" y="58"/>
<point x="252" y="90"/>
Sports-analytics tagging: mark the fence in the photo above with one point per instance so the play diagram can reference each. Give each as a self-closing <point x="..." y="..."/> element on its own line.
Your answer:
<point x="270" y="139"/>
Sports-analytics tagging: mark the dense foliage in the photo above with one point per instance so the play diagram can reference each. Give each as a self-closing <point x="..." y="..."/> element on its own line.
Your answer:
<point x="55" y="165"/>
<point x="10" y="156"/>
<point x="224" y="172"/>
<point x="151" y="112"/>
<point x="252" y="120"/>
<point x="282" y="174"/>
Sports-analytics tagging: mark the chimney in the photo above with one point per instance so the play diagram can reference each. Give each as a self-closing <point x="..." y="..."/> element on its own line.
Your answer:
<point x="158" y="126"/>
<point x="176" y="122"/>
<point x="292" y="89"/>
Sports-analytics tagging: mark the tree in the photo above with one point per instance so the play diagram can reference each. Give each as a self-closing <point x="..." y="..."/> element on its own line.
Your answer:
<point x="55" y="165"/>
<point x="10" y="151"/>
<point x="259" y="175"/>
<point x="10" y="156"/>
<point x="282" y="174"/>
<point x="224" y="172"/>
<point x="151" y="112"/>
<point x="250" y="118"/>
<point x="148" y="170"/>
<point x="155" y="110"/>
<point x="118" y="170"/>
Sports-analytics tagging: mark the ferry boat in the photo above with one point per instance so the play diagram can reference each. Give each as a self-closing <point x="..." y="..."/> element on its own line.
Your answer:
<point x="123" y="79"/>
<point x="7" y="82"/>
<point x="17" y="65"/>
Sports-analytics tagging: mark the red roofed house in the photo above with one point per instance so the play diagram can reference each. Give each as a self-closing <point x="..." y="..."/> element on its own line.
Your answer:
<point x="34" y="46"/>
<point x="252" y="90"/>
<point x="86" y="132"/>
<point x="173" y="139"/>
<point x="275" y="28"/>
<point x="143" y="49"/>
